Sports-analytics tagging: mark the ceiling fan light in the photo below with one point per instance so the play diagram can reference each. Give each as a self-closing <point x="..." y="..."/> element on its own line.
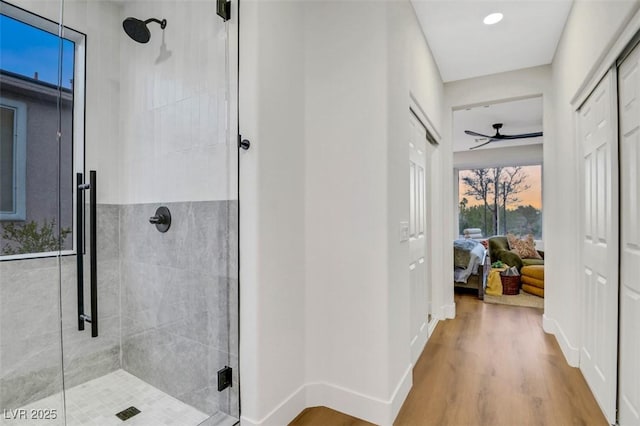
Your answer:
<point x="493" y="18"/>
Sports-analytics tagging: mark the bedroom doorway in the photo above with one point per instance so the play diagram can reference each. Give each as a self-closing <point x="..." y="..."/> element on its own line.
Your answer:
<point x="498" y="169"/>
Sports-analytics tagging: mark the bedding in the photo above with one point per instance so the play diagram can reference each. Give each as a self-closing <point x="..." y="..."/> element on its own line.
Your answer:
<point x="467" y="256"/>
<point x="471" y="265"/>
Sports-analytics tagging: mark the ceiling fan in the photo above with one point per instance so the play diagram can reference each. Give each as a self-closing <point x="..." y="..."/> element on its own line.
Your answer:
<point x="498" y="136"/>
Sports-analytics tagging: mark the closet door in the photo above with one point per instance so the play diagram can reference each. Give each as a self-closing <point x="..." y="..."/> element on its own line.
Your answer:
<point x="599" y="221"/>
<point x="629" y="111"/>
<point x="418" y="272"/>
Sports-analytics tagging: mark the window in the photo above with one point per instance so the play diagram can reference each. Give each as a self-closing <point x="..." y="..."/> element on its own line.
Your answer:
<point x="41" y="123"/>
<point x="499" y="200"/>
<point x="12" y="159"/>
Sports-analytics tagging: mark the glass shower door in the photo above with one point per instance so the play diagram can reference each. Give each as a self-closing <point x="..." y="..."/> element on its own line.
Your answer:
<point x="150" y="318"/>
<point x="35" y="223"/>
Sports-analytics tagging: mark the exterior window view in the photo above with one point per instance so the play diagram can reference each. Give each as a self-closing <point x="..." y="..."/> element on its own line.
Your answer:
<point x="501" y="200"/>
<point x="36" y="100"/>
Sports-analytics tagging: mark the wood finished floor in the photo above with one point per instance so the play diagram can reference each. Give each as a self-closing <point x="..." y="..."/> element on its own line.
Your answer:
<point x="493" y="365"/>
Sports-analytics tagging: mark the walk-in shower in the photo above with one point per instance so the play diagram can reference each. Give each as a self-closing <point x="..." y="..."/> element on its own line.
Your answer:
<point x="104" y="319"/>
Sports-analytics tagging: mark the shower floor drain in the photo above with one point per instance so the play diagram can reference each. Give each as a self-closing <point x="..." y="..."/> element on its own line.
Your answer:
<point x="127" y="413"/>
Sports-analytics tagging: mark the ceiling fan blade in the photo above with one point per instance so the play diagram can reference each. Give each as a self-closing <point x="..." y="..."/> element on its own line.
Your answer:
<point x="522" y="136"/>
<point x="478" y="146"/>
<point x="472" y="133"/>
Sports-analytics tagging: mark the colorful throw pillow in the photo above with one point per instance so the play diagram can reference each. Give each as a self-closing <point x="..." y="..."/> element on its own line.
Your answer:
<point x="526" y="248"/>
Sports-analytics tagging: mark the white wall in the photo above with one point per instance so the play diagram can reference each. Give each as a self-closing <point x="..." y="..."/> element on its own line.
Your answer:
<point x="272" y="212"/>
<point x="173" y="107"/>
<point x="412" y="78"/>
<point x="523" y="155"/>
<point x="49" y="9"/>
<point x="591" y="29"/>
<point x="346" y="180"/>
<point x="494" y="88"/>
<point x="325" y="100"/>
<point x="101" y="21"/>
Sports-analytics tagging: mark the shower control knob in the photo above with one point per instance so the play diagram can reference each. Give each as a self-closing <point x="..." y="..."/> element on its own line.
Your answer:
<point x="162" y="219"/>
<point x="158" y="219"/>
<point x="244" y="144"/>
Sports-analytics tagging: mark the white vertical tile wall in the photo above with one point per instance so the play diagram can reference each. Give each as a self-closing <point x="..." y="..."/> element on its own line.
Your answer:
<point x="173" y="108"/>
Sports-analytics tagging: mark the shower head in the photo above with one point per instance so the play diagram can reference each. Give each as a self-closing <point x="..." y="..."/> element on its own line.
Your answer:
<point x="138" y="30"/>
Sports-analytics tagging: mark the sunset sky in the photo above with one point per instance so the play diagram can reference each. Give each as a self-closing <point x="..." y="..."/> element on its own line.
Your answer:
<point x="533" y="196"/>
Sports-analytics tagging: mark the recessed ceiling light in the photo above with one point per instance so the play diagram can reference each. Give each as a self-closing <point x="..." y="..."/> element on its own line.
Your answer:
<point x="493" y="18"/>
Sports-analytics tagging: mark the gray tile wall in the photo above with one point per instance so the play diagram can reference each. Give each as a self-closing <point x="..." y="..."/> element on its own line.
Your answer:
<point x="177" y="290"/>
<point x="29" y="320"/>
<point x="87" y="358"/>
<point x="30" y="345"/>
<point x="168" y="308"/>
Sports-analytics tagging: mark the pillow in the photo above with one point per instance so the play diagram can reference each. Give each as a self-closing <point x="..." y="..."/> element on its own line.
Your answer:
<point x="472" y="231"/>
<point x="526" y="248"/>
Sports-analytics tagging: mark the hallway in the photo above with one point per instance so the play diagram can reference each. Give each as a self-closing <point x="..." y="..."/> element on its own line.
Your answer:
<point x="492" y="365"/>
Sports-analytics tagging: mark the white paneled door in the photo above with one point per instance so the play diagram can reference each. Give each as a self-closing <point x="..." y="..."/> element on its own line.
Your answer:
<point x="629" y="111"/>
<point x="419" y="150"/>
<point x="599" y="268"/>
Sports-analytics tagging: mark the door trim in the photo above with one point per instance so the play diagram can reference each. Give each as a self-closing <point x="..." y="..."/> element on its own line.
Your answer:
<point x="602" y="66"/>
<point x="434" y="136"/>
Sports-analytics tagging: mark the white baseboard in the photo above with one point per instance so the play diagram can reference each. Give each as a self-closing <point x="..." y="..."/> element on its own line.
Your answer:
<point x="355" y="404"/>
<point x="401" y="392"/>
<point x="548" y="325"/>
<point x="432" y="325"/>
<point x="449" y="311"/>
<point x="570" y="352"/>
<point x="418" y="342"/>
<point x="283" y="413"/>
<point x="345" y="400"/>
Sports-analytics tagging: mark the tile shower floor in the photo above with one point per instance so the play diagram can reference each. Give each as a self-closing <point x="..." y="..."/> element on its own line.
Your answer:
<point x="96" y="402"/>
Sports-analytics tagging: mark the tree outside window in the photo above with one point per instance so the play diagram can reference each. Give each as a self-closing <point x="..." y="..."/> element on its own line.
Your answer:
<point x="501" y="200"/>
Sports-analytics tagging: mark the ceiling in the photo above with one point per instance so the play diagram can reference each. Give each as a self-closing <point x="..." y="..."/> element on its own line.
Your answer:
<point x="522" y="116"/>
<point x="464" y="47"/>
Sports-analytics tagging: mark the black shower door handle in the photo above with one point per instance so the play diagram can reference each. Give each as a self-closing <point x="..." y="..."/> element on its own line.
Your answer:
<point x="93" y="261"/>
<point x="80" y="187"/>
<point x="93" y="257"/>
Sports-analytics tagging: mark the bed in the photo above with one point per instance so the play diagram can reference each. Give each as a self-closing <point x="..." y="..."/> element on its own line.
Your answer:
<point x="470" y="265"/>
